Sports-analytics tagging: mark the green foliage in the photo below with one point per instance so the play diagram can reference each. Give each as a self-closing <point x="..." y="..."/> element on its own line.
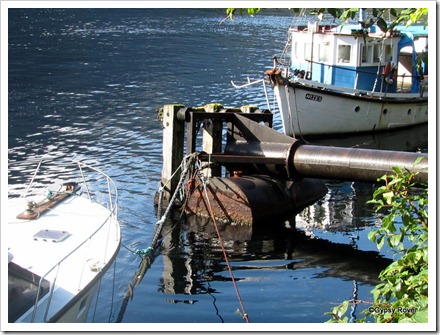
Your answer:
<point x="232" y="11"/>
<point x="403" y="294"/>
<point x="338" y="313"/>
<point x="376" y="16"/>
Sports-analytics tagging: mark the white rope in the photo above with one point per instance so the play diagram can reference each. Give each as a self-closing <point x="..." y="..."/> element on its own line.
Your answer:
<point x="185" y="165"/>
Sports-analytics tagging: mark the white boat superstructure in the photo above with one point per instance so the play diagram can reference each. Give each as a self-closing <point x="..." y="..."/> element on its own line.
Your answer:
<point x="60" y="246"/>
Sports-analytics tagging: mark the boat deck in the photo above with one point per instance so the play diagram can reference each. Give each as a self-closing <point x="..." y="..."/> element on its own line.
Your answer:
<point x="69" y="244"/>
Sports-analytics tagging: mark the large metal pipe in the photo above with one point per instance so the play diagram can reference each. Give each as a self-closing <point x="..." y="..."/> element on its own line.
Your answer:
<point x="354" y="163"/>
<point x="301" y="160"/>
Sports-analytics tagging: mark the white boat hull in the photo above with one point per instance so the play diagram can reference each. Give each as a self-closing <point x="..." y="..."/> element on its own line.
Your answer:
<point x="311" y="111"/>
<point x="59" y="256"/>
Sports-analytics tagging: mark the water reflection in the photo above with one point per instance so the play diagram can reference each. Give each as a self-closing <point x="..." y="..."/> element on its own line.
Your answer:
<point x="344" y="209"/>
<point x="192" y="256"/>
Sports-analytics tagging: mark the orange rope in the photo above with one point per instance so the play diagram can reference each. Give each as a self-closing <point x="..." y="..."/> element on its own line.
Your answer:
<point x="245" y="315"/>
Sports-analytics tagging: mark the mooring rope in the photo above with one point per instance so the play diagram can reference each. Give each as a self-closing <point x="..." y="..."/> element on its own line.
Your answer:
<point x="148" y="254"/>
<point x="162" y="188"/>
<point x="244" y="314"/>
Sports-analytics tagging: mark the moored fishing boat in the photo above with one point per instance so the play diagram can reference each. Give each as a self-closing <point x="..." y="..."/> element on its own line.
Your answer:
<point x="348" y="79"/>
<point x="60" y="244"/>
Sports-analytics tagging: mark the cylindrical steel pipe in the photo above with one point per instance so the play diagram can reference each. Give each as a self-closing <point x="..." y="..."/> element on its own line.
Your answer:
<point x="302" y="160"/>
<point x="354" y="163"/>
<point x="275" y="155"/>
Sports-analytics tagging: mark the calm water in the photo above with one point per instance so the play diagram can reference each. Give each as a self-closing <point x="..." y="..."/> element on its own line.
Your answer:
<point x="88" y="82"/>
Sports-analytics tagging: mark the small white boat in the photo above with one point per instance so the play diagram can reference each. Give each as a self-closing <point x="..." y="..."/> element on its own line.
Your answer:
<point x="349" y="80"/>
<point x="60" y="244"/>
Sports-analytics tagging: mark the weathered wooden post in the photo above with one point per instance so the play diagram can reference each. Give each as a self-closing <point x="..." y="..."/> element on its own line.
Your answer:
<point x="248" y="108"/>
<point x="172" y="149"/>
<point x="212" y="138"/>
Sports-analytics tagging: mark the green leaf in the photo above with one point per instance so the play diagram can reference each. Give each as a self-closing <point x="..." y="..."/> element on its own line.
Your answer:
<point x="253" y="11"/>
<point x="395" y="240"/>
<point x="421" y="316"/>
<point x="372" y="236"/>
<point x="388" y="196"/>
<point x="418" y="160"/>
<point x="343" y="308"/>
<point x="380" y="242"/>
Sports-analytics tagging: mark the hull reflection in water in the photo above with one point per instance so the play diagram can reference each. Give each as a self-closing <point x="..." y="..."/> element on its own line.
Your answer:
<point x="193" y="256"/>
<point x="343" y="209"/>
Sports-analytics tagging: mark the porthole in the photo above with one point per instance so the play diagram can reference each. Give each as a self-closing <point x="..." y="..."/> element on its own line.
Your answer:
<point x="357" y="109"/>
<point x="385" y="111"/>
<point x="409" y="111"/>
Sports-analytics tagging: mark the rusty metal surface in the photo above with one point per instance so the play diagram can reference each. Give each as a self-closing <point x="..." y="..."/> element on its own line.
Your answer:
<point x="251" y="199"/>
<point x="226" y="200"/>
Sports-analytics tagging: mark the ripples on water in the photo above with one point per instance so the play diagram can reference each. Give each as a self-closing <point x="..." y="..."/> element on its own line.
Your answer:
<point x="88" y="82"/>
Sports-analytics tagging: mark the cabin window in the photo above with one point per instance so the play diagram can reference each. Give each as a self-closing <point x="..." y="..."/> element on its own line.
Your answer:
<point x="344" y="53"/>
<point x="372" y="53"/>
<point x="377" y="53"/>
<point x="382" y="53"/>
<point x="366" y="53"/>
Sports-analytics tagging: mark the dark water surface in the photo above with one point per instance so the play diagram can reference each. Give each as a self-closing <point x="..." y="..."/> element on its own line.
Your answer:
<point x="88" y="82"/>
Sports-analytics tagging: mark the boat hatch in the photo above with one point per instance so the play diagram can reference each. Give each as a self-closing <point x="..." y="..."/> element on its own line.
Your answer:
<point x="23" y="288"/>
<point x="51" y="235"/>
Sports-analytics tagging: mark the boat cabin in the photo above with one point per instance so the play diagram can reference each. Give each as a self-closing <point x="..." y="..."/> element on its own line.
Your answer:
<point x="351" y="57"/>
